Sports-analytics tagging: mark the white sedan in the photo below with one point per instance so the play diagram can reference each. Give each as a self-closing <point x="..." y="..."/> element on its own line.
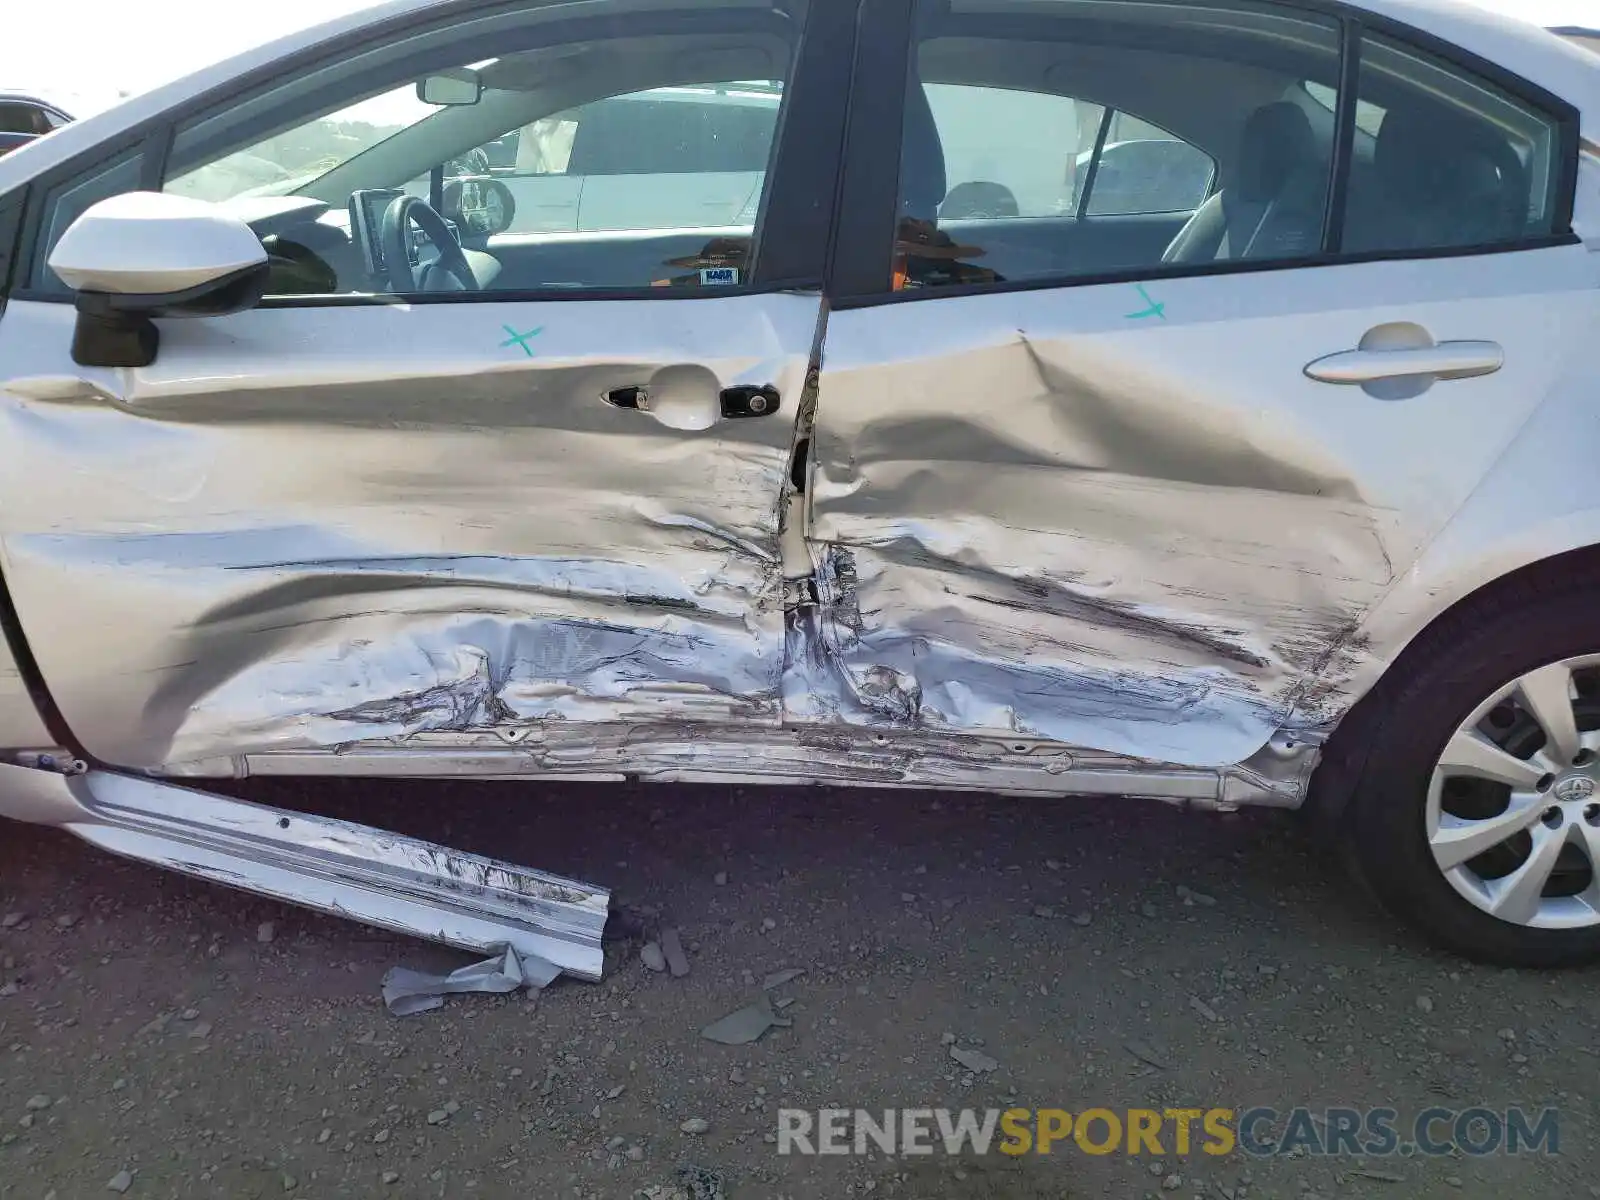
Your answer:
<point x="945" y="470"/>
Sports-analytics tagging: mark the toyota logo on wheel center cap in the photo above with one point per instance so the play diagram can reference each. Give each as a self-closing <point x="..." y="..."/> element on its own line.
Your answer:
<point x="1579" y="787"/>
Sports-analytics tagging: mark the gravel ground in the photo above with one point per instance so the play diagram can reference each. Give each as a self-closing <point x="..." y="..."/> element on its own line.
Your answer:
<point x="183" y="1040"/>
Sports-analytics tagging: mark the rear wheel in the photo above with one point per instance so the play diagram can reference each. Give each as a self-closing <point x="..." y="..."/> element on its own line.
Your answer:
<point x="1476" y="812"/>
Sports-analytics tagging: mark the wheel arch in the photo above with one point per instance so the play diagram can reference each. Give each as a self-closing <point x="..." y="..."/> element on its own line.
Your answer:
<point x="1443" y="591"/>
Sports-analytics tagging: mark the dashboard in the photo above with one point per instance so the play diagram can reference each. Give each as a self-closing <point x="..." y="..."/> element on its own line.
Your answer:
<point x="315" y="248"/>
<point x="367" y="210"/>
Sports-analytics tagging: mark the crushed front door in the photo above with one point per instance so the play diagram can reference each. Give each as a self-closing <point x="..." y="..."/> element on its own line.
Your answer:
<point x="304" y="528"/>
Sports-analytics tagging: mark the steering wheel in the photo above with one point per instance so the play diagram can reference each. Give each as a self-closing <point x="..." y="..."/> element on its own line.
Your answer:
<point x="404" y="212"/>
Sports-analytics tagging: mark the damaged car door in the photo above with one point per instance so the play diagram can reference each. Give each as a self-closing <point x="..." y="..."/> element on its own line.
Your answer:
<point x="1130" y="480"/>
<point x="409" y="507"/>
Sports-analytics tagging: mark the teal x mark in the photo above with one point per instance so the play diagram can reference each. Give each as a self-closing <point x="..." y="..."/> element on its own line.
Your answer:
<point x="1155" y="310"/>
<point x="521" y="339"/>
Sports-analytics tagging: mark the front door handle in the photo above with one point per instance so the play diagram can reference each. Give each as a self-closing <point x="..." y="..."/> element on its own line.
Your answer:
<point x="682" y="403"/>
<point x="1397" y="362"/>
<point x="750" y="400"/>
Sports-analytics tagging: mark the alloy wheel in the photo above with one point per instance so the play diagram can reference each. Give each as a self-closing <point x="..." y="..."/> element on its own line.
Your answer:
<point x="1513" y="813"/>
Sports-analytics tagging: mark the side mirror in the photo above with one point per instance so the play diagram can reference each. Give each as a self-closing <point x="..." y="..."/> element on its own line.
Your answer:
<point x="458" y="87"/>
<point x="142" y="255"/>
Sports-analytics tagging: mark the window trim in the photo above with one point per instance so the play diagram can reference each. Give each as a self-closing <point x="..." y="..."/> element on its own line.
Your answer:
<point x="11" y="225"/>
<point x="1352" y="38"/>
<point x="1102" y="135"/>
<point x="861" y="259"/>
<point x="1187" y="271"/>
<point x="867" y="285"/>
<point x="801" y="151"/>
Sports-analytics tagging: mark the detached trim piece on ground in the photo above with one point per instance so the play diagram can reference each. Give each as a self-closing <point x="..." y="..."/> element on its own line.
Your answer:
<point x="349" y="870"/>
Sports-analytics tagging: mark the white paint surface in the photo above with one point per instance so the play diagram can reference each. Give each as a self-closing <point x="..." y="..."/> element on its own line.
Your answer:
<point x="153" y="243"/>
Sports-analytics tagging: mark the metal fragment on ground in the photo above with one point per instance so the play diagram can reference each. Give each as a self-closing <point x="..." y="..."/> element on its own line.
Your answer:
<point x="779" y="978"/>
<point x="372" y="875"/>
<point x="1146" y="1055"/>
<point x="974" y="1060"/>
<point x="746" y="1025"/>
<point x="672" y="951"/>
<point x="700" y="1183"/>
<point x="407" y="992"/>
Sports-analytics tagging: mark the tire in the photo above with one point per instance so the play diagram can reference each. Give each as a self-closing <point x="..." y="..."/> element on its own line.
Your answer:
<point x="1393" y="745"/>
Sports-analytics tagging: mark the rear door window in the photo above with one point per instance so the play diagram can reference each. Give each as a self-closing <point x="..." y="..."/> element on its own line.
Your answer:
<point x="1144" y="169"/>
<point x="1010" y="152"/>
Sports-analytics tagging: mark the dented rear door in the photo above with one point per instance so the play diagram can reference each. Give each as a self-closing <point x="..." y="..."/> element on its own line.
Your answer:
<point x="1149" y="539"/>
<point x="1146" y="514"/>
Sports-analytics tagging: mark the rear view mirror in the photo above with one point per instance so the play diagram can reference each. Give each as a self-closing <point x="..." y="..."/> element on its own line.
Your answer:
<point x="463" y="86"/>
<point x="142" y="255"/>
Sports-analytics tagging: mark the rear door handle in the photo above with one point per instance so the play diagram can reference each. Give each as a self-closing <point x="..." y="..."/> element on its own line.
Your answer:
<point x="1443" y="361"/>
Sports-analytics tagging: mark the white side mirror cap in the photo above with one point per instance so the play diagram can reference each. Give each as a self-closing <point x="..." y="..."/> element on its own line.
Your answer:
<point x="153" y="244"/>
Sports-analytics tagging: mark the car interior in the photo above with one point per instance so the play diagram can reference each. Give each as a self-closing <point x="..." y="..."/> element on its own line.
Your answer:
<point x="327" y="236"/>
<point x="1428" y="171"/>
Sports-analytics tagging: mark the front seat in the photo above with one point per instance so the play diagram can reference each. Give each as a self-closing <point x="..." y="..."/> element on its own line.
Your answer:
<point x="1273" y="205"/>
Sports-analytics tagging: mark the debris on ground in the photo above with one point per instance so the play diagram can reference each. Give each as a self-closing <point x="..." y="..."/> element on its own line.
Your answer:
<point x="1146" y="1055"/>
<point x="672" y="951"/>
<point x="700" y="1183"/>
<point x="1204" y="1009"/>
<point x="301" y="1073"/>
<point x="651" y="955"/>
<point x="746" y="1025"/>
<point x="406" y="992"/>
<point x="120" y="1182"/>
<point x="696" y="1126"/>
<point x="778" y="978"/>
<point x="974" y="1060"/>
